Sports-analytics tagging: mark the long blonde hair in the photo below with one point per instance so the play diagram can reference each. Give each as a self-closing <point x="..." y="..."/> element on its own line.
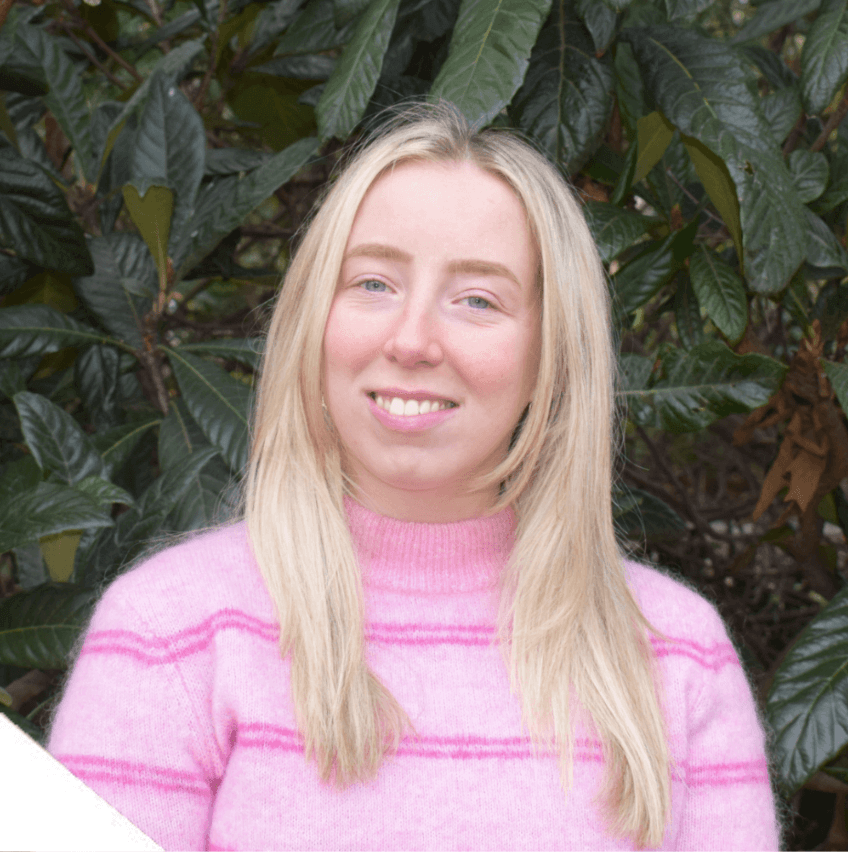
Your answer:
<point x="568" y="624"/>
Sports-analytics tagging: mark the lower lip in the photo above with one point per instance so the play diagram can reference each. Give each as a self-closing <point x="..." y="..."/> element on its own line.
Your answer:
<point x="412" y="423"/>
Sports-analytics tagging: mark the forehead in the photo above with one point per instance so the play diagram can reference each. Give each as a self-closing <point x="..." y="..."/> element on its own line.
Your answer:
<point x="454" y="208"/>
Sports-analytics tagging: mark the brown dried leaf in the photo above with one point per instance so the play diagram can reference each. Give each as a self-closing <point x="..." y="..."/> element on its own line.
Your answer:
<point x="805" y="472"/>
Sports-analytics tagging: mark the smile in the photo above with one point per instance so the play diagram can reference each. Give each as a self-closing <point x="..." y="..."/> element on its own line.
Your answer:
<point x="410" y="407"/>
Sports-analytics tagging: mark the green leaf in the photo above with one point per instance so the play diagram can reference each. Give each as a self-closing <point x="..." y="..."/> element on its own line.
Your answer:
<point x="222" y="206"/>
<point x="97" y="375"/>
<point x="685" y="10"/>
<point x="27" y="330"/>
<point x="116" y="444"/>
<point x="315" y="66"/>
<point x="351" y="85"/>
<point x="35" y="221"/>
<point x="837" y="192"/>
<point x="707" y="90"/>
<point x="344" y="11"/>
<point x="219" y="403"/>
<point x="720" y="292"/>
<point x="151" y="214"/>
<point x="718" y="183"/>
<point x="47" y="509"/>
<point x="566" y="98"/>
<point x="807" y="700"/>
<point x="703" y="385"/>
<point x="810" y="173"/>
<point x="687" y="313"/>
<point x="231" y="161"/>
<point x="653" y="266"/>
<point x="123" y="268"/>
<point x="653" y="135"/>
<point x="247" y="350"/>
<point x="65" y="100"/>
<point x="56" y="441"/>
<point x="639" y="514"/>
<point x="614" y="228"/>
<point x="599" y="19"/>
<point x="824" y="59"/>
<point x="630" y="91"/>
<point x="169" y="150"/>
<point x="39" y="628"/>
<point x="774" y="15"/>
<point x="838" y="375"/>
<point x="315" y="30"/>
<point x="488" y="55"/>
<point x="824" y="251"/>
<point x="782" y="109"/>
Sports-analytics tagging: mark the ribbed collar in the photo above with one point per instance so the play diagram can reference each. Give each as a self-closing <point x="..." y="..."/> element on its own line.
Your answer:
<point x="409" y="556"/>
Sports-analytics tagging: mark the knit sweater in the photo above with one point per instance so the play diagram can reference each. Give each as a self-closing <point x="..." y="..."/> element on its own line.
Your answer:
<point x="178" y="710"/>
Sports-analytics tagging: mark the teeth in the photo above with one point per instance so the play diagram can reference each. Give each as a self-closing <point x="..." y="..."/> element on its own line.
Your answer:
<point x="410" y="407"/>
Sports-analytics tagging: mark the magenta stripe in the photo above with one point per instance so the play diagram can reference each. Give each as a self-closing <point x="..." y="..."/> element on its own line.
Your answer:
<point x="715" y="665"/>
<point x="751" y="778"/>
<point x="745" y="766"/>
<point x="108" y="777"/>
<point x="130" y="766"/>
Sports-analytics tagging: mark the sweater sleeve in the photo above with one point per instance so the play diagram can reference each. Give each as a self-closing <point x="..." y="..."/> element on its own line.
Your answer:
<point x="729" y="802"/>
<point x="130" y="723"/>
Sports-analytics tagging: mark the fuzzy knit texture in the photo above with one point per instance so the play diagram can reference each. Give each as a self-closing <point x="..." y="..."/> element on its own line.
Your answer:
<point x="178" y="710"/>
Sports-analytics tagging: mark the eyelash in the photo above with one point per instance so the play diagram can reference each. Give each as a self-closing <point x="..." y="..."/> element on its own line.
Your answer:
<point x="364" y="285"/>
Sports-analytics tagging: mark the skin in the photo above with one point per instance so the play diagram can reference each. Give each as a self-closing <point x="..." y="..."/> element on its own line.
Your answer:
<point x="437" y="294"/>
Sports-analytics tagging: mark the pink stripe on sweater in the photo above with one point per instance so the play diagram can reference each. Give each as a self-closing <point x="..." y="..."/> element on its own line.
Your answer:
<point x="192" y="640"/>
<point x="133" y="772"/>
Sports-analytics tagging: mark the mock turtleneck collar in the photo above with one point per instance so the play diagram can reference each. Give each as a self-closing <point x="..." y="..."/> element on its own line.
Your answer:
<point x="408" y="556"/>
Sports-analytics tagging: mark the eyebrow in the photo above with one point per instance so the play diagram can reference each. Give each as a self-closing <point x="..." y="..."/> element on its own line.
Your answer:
<point x="472" y="267"/>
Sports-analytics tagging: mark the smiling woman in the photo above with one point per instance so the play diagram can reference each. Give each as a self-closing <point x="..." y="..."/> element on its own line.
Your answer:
<point x="426" y="599"/>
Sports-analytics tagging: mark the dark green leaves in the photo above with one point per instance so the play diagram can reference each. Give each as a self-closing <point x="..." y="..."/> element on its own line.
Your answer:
<point x="35" y="221"/>
<point x="566" y="98"/>
<point x="806" y="704"/>
<point x="773" y="15"/>
<point x="38" y="628"/>
<point x="488" y="56"/>
<point x="351" y="85"/>
<point x="219" y="403"/>
<point x="613" y="228"/>
<point x="39" y="329"/>
<point x="720" y="292"/>
<point x="824" y="60"/>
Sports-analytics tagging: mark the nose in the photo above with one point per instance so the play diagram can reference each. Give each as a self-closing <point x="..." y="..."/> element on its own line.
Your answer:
<point x="414" y="338"/>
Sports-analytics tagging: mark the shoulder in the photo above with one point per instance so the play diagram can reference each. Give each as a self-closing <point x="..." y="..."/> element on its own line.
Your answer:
<point x="189" y="580"/>
<point x="673" y="607"/>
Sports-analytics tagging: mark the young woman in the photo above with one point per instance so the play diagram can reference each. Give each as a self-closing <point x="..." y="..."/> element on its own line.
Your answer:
<point x="424" y="635"/>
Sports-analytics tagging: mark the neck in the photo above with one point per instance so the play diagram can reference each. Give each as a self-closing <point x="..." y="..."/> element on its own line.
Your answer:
<point x="437" y="506"/>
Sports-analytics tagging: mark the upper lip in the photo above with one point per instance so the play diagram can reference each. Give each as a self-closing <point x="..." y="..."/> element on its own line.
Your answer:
<point x="418" y="395"/>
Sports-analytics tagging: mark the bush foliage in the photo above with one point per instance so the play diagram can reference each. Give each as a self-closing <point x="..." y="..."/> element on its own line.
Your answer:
<point x="157" y="159"/>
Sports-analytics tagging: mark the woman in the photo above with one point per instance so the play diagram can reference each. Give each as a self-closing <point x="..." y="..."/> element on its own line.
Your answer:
<point x="424" y="635"/>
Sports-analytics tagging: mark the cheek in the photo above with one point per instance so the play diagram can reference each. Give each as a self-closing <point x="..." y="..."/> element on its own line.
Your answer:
<point x="347" y="345"/>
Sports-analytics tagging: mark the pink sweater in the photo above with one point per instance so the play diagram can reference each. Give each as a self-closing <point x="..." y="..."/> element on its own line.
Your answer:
<point x="178" y="711"/>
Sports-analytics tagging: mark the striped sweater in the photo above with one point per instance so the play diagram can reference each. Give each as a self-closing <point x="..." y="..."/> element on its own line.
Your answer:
<point x="178" y="710"/>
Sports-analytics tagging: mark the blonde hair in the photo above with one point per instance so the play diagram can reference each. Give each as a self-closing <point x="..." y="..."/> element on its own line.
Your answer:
<point x="568" y="624"/>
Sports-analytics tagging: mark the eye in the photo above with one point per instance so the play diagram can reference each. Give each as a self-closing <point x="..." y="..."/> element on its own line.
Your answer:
<point x="478" y="302"/>
<point x="372" y="285"/>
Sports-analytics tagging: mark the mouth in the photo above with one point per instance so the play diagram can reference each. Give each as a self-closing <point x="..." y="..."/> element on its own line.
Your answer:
<point x="401" y="407"/>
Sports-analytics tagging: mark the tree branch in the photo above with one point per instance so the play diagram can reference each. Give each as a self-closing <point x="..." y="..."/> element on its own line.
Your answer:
<point x="92" y="58"/>
<point x="213" y="56"/>
<point x="832" y="123"/>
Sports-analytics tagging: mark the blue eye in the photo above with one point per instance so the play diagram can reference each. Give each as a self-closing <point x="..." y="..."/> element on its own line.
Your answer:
<point x="478" y="302"/>
<point x="372" y="285"/>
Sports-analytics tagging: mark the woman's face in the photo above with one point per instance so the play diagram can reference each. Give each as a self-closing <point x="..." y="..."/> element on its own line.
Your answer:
<point x="431" y="347"/>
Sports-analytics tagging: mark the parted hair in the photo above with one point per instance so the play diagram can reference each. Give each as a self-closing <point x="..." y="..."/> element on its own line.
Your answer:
<point x="571" y="633"/>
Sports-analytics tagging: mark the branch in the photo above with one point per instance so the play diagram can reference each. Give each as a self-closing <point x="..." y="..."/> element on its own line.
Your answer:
<point x="795" y="135"/>
<point x="692" y="197"/>
<point x="5" y="5"/>
<point x="213" y="56"/>
<point x="832" y="123"/>
<point x="91" y="57"/>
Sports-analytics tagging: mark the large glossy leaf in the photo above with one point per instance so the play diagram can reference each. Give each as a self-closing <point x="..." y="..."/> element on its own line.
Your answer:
<point x="35" y="221"/>
<point x="115" y="445"/>
<point x="247" y="350"/>
<point x="27" y="330"/>
<point x="824" y="60"/>
<point x="614" y="228"/>
<point x="222" y="206"/>
<point x="720" y="292"/>
<point x="169" y="149"/>
<point x="219" y="403"/>
<point x="774" y="15"/>
<point x="706" y="89"/>
<point x="599" y="19"/>
<point x="231" y="161"/>
<point x="807" y="700"/>
<point x="782" y="109"/>
<point x="38" y="628"/>
<point x="315" y="30"/>
<point x="97" y="373"/>
<point x="837" y="191"/>
<point x="351" y="85"/>
<point x="566" y="98"/>
<point x="703" y="385"/>
<point x="56" y="441"/>
<point x="824" y="251"/>
<point x="687" y="312"/>
<point x="204" y="501"/>
<point x="47" y="509"/>
<point x="123" y="268"/>
<point x="65" y="100"/>
<point x="810" y="173"/>
<point x="488" y="55"/>
<point x="638" y="514"/>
